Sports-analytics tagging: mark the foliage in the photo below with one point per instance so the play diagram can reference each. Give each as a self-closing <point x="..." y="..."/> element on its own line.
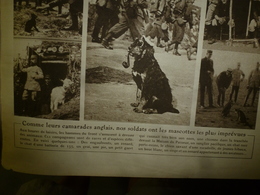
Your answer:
<point x="48" y="25"/>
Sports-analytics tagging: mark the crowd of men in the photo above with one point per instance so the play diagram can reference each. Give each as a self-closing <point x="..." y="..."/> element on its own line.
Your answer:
<point x="170" y="21"/>
<point x="223" y="81"/>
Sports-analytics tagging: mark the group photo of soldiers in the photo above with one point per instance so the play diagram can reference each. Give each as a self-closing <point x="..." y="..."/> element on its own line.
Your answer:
<point x="229" y="78"/>
<point x="48" y="18"/>
<point x="170" y="24"/>
<point x="234" y="21"/>
<point x="47" y="80"/>
<point x="228" y="93"/>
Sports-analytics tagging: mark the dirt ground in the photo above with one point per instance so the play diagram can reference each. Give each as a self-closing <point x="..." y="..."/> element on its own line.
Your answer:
<point x="212" y="117"/>
<point x="110" y="100"/>
<point x="246" y="47"/>
<point x="68" y="111"/>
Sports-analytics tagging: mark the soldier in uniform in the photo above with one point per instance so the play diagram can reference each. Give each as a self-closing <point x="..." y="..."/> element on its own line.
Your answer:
<point x="132" y="16"/>
<point x="181" y="14"/>
<point x="154" y="28"/>
<point x="223" y="81"/>
<point x="253" y="84"/>
<point x="206" y="76"/>
<point x="107" y="11"/>
<point x="211" y="21"/>
<point x="236" y="79"/>
<point x="32" y="87"/>
<point x="46" y="89"/>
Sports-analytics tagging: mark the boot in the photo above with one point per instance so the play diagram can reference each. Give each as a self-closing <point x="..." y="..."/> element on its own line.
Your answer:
<point x="167" y="48"/>
<point x="175" y="52"/>
<point x="189" y="54"/>
<point x="106" y="41"/>
<point x="159" y="43"/>
<point x="96" y="40"/>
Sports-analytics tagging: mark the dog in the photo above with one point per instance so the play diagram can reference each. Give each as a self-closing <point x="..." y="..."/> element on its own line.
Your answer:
<point x="241" y="118"/>
<point x="153" y="89"/>
<point x="30" y="24"/>
<point x="226" y="110"/>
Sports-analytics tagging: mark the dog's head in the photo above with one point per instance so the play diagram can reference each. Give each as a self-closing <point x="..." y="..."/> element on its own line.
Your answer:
<point x="141" y="47"/>
<point x="33" y="16"/>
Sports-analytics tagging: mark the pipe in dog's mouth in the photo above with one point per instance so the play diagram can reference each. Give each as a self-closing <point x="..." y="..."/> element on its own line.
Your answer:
<point x="130" y="52"/>
<point x="126" y="64"/>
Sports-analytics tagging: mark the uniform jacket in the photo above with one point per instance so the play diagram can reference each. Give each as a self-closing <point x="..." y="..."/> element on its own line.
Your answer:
<point x="206" y="65"/>
<point x="134" y="6"/>
<point x="33" y="74"/>
<point x="236" y="77"/>
<point x="254" y="79"/>
<point x="224" y="80"/>
<point x="157" y="5"/>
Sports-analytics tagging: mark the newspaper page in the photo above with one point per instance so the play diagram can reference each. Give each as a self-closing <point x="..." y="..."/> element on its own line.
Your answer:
<point x="133" y="88"/>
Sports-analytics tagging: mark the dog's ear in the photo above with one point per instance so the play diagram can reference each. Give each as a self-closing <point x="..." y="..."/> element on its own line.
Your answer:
<point x="33" y="16"/>
<point x="147" y="41"/>
<point x="138" y="42"/>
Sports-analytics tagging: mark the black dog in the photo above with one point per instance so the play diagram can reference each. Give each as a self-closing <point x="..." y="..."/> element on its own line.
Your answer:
<point x="226" y="110"/>
<point x="241" y="118"/>
<point x="30" y="24"/>
<point x="155" y="92"/>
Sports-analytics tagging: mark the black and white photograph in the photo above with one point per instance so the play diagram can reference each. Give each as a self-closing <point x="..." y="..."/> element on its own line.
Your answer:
<point x="48" y="18"/>
<point x="47" y="79"/>
<point x="141" y="60"/>
<point x="228" y="93"/>
<point x="232" y="25"/>
<point x="229" y="78"/>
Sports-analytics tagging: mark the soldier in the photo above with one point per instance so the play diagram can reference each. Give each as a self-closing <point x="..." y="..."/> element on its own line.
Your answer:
<point x="32" y="86"/>
<point x="181" y="14"/>
<point x="132" y="16"/>
<point x="107" y="11"/>
<point x="223" y="81"/>
<point x="253" y="84"/>
<point x="154" y="29"/>
<point x="236" y="79"/>
<point x="206" y="75"/>
<point x="211" y="21"/>
<point x="46" y="95"/>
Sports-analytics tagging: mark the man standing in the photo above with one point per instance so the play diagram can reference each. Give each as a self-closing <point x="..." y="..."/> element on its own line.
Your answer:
<point x="236" y="79"/>
<point x="223" y="81"/>
<point x="222" y="16"/>
<point x="107" y="11"/>
<point x="132" y="16"/>
<point x="46" y="95"/>
<point x="206" y="75"/>
<point x="211" y="21"/>
<point x="154" y="28"/>
<point x="32" y="86"/>
<point x="253" y="84"/>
